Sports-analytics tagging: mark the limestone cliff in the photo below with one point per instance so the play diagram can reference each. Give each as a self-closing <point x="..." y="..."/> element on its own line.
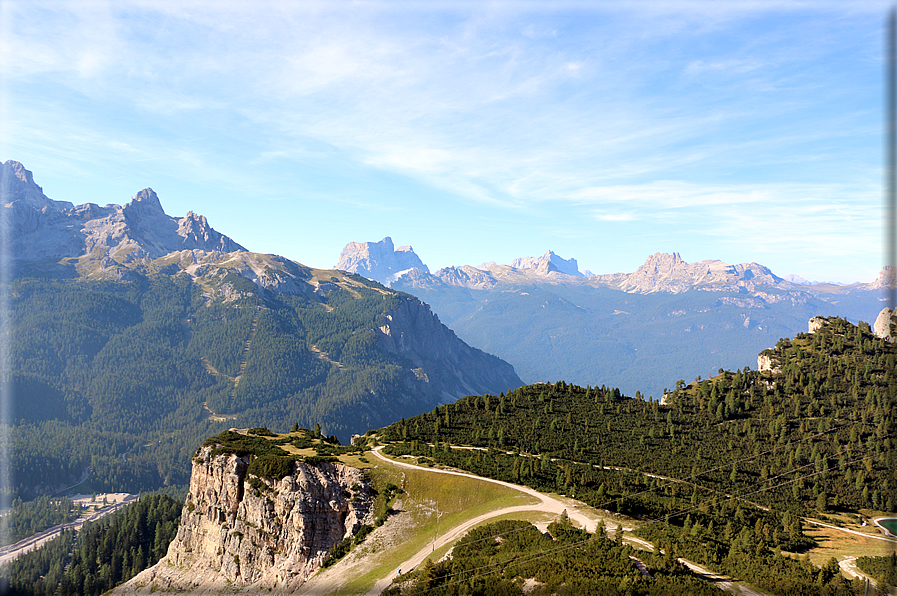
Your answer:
<point x="886" y="325"/>
<point x="249" y="533"/>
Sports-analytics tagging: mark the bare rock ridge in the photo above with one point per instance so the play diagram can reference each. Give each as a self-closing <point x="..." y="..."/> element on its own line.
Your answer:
<point x="95" y="236"/>
<point x="547" y="263"/>
<point x="661" y="272"/>
<point x="240" y="531"/>
<point x="379" y="261"/>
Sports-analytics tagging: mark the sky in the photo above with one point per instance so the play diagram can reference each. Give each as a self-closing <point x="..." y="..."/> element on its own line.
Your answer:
<point x="745" y="131"/>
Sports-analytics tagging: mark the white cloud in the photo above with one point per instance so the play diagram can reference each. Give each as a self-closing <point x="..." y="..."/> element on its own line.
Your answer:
<point x="700" y="112"/>
<point x="627" y="216"/>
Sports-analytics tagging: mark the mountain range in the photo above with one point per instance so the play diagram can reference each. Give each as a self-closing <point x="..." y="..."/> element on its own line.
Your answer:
<point x="639" y="331"/>
<point x="136" y="334"/>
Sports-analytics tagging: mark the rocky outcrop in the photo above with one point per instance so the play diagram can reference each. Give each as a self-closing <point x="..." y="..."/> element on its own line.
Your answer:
<point x="766" y="362"/>
<point x="100" y="240"/>
<point x="815" y="324"/>
<point x="379" y="261"/>
<point x="885" y="325"/>
<point x="887" y="278"/>
<point x="248" y="533"/>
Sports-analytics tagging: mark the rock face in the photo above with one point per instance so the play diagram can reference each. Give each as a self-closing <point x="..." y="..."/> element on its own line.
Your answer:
<point x="379" y="261"/>
<point x="886" y="325"/>
<point x="663" y="272"/>
<point x="815" y="324"/>
<point x="765" y="362"/>
<point x="98" y="238"/>
<point x="548" y="262"/>
<point x="887" y="278"/>
<point x="233" y="534"/>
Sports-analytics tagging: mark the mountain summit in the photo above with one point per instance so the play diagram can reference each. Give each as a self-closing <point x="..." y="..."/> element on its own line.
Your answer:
<point x="548" y="262"/>
<point x="379" y="261"/>
<point x="665" y="272"/>
<point x="98" y="239"/>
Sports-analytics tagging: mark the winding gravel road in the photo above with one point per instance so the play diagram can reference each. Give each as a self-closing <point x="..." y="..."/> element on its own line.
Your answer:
<point x="546" y="504"/>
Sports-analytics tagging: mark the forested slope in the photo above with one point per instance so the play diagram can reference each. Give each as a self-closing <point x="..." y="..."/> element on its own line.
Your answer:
<point x="751" y="452"/>
<point x="127" y="377"/>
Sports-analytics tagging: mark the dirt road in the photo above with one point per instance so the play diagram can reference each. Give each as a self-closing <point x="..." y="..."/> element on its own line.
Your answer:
<point x="547" y="504"/>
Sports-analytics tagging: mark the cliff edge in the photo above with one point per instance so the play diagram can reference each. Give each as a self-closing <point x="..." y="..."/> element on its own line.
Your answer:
<point x="241" y="531"/>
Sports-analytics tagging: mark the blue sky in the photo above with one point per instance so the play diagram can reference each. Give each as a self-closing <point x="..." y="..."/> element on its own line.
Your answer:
<point x="474" y="131"/>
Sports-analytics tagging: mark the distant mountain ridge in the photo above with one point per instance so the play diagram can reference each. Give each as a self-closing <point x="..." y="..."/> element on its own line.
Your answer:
<point x="100" y="241"/>
<point x="633" y="330"/>
<point x="661" y="272"/>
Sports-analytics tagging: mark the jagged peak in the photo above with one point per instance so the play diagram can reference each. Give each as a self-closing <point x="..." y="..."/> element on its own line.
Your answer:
<point x="665" y="259"/>
<point x="887" y="278"/>
<point x="380" y="261"/>
<point x="147" y="198"/>
<point x="17" y="186"/>
<point x="548" y="262"/>
<point x="19" y="171"/>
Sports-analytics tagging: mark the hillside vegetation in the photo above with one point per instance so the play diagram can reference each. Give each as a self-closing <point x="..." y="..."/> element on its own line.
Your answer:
<point x="722" y="472"/>
<point x="128" y="377"/>
<point x="496" y="558"/>
<point x="100" y="556"/>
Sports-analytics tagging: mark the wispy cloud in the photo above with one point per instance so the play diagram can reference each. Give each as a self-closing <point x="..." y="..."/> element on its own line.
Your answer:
<point x="628" y="112"/>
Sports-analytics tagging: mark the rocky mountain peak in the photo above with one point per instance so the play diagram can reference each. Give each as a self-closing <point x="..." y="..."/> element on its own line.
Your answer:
<point x="19" y="171"/>
<point x="17" y="186"/>
<point x="146" y="199"/>
<point x="547" y="263"/>
<point x="380" y="261"/>
<point x="669" y="272"/>
<point x="661" y="262"/>
<point x="887" y="278"/>
<point x="106" y="239"/>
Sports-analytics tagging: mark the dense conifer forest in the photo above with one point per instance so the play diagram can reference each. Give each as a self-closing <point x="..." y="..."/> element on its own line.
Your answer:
<point x="27" y="519"/>
<point x="98" y="557"/>
<point x="722" y="472"/>
<point x="122" y="380"/>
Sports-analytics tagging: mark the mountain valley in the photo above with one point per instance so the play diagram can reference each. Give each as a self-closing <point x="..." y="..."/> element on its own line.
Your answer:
<point x="148" y="350"/>
<point x="135" y="335"/>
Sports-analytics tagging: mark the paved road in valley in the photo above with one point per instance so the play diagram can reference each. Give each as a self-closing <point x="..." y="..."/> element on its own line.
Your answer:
<point x="12" y="551"/>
